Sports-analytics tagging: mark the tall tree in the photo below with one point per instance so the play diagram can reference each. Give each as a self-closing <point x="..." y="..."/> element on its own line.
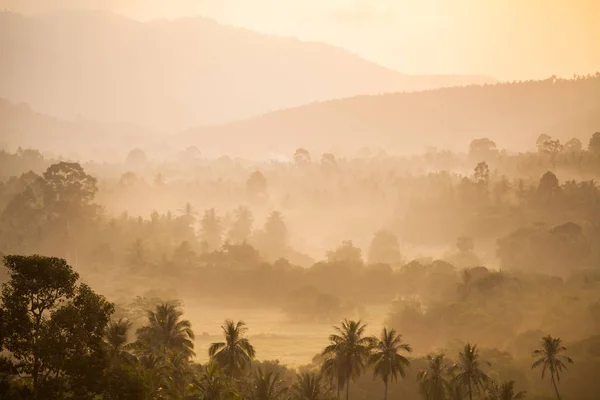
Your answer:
<point x="241" y="228"/>
<point x="386" y="359"/>
<point x="550" y="358"/>
<point x="505" y="391"/>
<point x="384" y="248"/>
<point x="469" y="370"/>
<point x="211" y="384"/>
<point x="235" y="354"/>
<point x="54" y="327"/>
<point x="432" y="381"/>
<point x="115" y="340"/>
<point x="350" y="349"/>
<point x="167" y="331"/>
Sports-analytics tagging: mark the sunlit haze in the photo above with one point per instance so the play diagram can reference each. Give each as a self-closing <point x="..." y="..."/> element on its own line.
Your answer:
<point x="507" y="39"/>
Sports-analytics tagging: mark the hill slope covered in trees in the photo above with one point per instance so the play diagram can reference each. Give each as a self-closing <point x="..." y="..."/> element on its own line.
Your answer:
<point x="513" y="114"/>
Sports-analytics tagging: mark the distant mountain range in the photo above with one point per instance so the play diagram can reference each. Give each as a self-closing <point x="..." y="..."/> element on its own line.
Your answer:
<point x="170" y="75"/>
<point x="512" y="114"/>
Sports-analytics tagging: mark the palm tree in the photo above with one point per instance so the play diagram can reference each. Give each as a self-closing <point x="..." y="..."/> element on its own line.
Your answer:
<point x="180" y="374"/>
<point x="115" y="340"/>
<point x="505" y="391"/>
<point x="154" y="370"/>
<point x="309" y="387"/>
<point x="385" y="358"/>
<point x="350" y="350"/>
<point x="470" y="372"/>
<point x="551" y="359"/>
<point x="235" y="354"/>
<point x="211" y="384"/>
<point x="332" y="370"/>
<point x="167" y="331"/>
<point x="267" y="386"/>
<point x="431" y="380"/>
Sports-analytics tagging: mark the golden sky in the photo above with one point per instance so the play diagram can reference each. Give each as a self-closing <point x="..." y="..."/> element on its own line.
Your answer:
<point x="507" y="39"/>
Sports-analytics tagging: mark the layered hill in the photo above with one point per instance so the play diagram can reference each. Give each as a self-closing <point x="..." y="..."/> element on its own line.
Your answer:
<point x="512" y="114"/>
<point x="170" y="75"/>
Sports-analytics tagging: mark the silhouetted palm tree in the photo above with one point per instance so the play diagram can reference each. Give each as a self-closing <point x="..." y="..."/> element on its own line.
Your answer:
<point x="116" y="341"/>
<point x="154" y="370"/>
<point x="332" y="370"/>
<point x="309" y="386"/>
<point x="167" y="331"/>
<point x="551" y="359"/>
<point x="267" y="386"/>
<point x="350" y="350"/>
<point x="385" y="358"/>
<point x="469" y="370"/>
<point x="235" y="354"/>
<point x="432" y="382"/>
<point x="211" y="384"/>
<point x="504" y="391"/>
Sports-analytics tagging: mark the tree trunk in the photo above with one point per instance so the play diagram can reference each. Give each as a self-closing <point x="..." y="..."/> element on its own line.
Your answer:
<point x="470" y="391"/>
<point x="338" y="391"/>
<point x="35" y="374"/>
<point x="555" y="387"/>
<point x="347" y="389"/>
<point x="385" y="390"/>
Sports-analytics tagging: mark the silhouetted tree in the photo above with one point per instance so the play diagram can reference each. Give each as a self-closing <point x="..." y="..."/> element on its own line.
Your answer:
<point x="385" y="249"/>
<point x="167" y="331"/>
<point x="550" y="358"/>
<point x="241" y="228"/>
<point x="432" y="382"/>
<point x="386" y="360"/>
<point x="235" y="354"/>
<point x="469" y="370"/>
<point x="309" y="386"/>
<point x="211" y="229"/>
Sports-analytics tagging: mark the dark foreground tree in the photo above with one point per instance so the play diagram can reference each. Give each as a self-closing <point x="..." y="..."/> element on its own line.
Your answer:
<point x="167" y="331"/>
<point x="309" y="386"/>
<point x="54" y="327"/>
<point x="235" y="354"/>
<point x="550" y="358"/>
<point x="386" y="360"/>
<point x="432" y="382"/>
<point x="469" y="370"/>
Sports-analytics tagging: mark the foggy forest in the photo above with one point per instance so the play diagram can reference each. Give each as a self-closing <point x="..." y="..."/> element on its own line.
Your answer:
<point x="191" y="210"/>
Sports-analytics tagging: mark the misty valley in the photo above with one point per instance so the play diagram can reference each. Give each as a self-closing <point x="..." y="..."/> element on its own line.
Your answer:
<point x="196" y="211"/>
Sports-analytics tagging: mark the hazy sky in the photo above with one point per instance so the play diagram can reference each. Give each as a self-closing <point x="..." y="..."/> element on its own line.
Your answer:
<point x="508" y="39"/>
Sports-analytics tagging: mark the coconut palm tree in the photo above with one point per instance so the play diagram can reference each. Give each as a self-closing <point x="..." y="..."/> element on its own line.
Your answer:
<point x="504" y="391"/>
<point x="469" y="370"/>
<point x="211" y="385"/>
<point x="115" y="340"/>
<point x="235" y="354"/>
<point x="551" y="359"/>
<point x="309" y="386"/>
<point x="350" y="349"/>
<point x="267" y="386"/>
<point x="167" y="331"/>
<point x="386" y="359"/>
<point x="155" y="371"/>
<point x="332" y="371"/>
<point x="432" y="382"/>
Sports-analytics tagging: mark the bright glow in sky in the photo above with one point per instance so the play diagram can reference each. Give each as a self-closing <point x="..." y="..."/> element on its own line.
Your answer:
<point x="507" y="39"/>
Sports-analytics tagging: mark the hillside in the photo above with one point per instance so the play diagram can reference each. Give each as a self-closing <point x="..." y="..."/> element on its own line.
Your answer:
<point x="512" y="114"/>
<point x="171" y="75"/>
<point x="24" y="127"/>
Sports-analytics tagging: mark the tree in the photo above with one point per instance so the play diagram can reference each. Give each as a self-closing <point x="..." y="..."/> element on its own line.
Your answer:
<point x="548" y="186"/>
<point x="385" y="249"/>
<point x="241" y="228"/>
<point x="211" y="229"/>
<point x="328" y="163"/>
<point x="256" y="184"/>
<point x="540" y="142"/>
<point x="309" y="386"/>
<point x="267" y="386"/>
<point x="482" y="149"/>
<point x="350" y="350"/>
<point x="550" y="358"/>
<point x="235" y="354"/>
<point x="167" y="331"/>
<point x="469" y="370"/>
<point x="302" y="157"/>
<point x="432" y="383"/>
<point x="275" y="236"/>
<point x="385" y="358"/>
<point x="116" y="340"/>
<point x="594" y="144"/>
<point x="573" y="145"/>
<point x="54" y="327"/>
<point x="505" y="391"/>
<point x="211" y="384"/>
<point x="482" y="173"/>
<point x="346" y="253"/>
<point x="136" y="157"/>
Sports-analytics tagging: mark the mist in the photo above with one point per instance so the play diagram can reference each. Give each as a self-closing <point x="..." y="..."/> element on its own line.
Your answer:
<point x="195" y="210"/>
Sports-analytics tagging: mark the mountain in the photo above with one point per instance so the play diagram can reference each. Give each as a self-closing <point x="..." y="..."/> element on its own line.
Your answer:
<point x="171" y="75"/>
<point x="512" y="114"/>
